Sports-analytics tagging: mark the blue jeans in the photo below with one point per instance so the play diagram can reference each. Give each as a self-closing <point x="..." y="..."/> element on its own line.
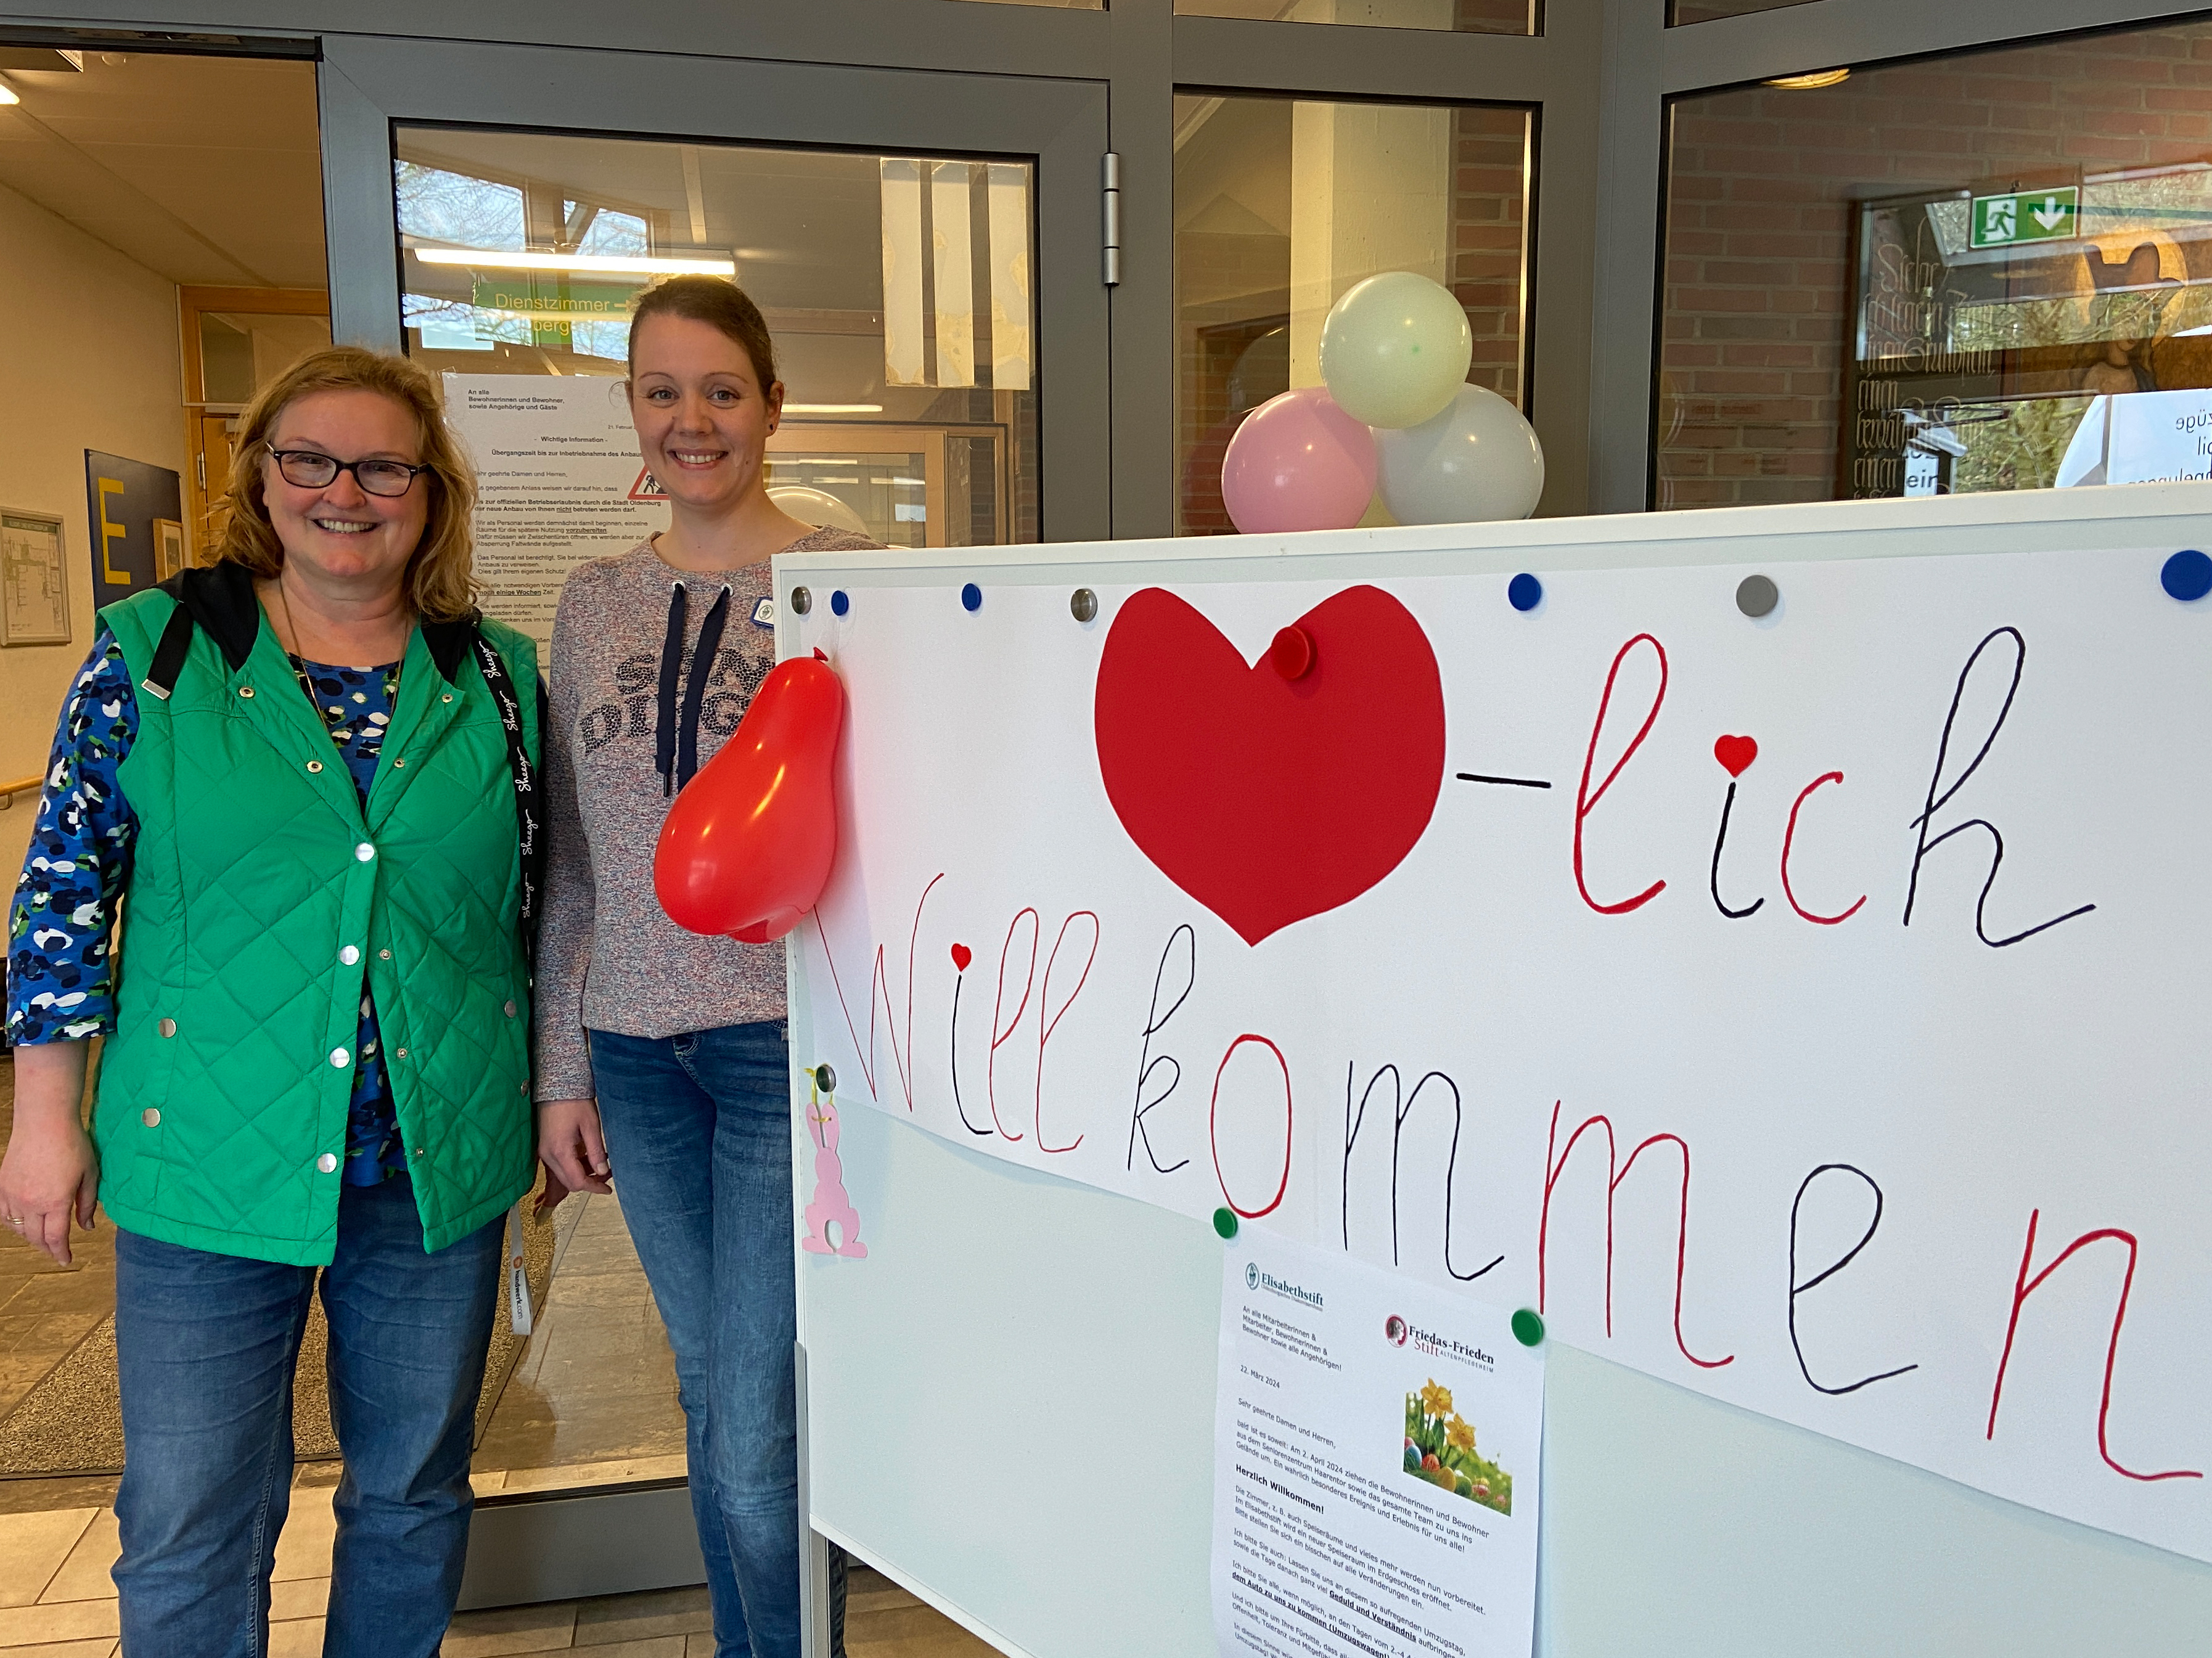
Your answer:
<point x="205" y="1345"/>
<point x="698" y="1133"/>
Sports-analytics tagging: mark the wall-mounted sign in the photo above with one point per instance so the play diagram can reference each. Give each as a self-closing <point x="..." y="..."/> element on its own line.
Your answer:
<point x="125" y="499"/>
<point x="2025" y="216"/>
<point x="33" y="586"/>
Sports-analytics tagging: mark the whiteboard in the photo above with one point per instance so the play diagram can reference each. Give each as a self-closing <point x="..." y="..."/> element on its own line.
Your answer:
<point x="1010" y="1400"/>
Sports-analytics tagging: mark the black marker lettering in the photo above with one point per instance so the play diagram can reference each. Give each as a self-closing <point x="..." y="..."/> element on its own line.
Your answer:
<point x="1797" y="1289"/>
<point x="1147" y="1061"/>
<point x="1923" y="846"/>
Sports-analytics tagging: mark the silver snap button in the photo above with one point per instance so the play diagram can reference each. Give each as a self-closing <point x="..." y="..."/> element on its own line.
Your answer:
<point x="402" y="1054"/>
<point x="510" y="1010"/>
<point x="246" y="691"/>
<point x="315" y="765"/>
<point x="384" y="955"/>
<point x="167" y="1027"/>
<point x="419" y="1151"/>
<point x="364" y="852"/>
<point x="447" y="697"/>
<point x="399" y="760"/>
<point x="150" y="1117"/>
<point x="340" y="1058"/>
<point x="348" y="955"/>
<point x="327" y="1163"/>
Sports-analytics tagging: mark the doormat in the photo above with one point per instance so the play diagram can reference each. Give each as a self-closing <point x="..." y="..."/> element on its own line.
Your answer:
<point x="70" y="1424"/>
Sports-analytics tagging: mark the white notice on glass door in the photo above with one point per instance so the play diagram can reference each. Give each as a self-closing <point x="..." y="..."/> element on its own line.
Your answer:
<point x="558" y="482"/>
<point x="1376" y="1449"/>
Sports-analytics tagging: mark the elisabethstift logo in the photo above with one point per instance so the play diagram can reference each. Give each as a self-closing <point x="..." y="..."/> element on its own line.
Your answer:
<point x="1251" y="1276"/>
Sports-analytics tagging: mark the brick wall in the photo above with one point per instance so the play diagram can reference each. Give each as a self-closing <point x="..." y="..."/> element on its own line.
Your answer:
<point x="1761" y="184"/>
<point x="1489" y="233"/>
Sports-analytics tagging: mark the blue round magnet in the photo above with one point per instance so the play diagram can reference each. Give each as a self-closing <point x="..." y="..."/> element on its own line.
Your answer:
<point x="1524" y="592"/>
<point x="971" y="597"/>
<point x="2187" y="575"/>
<point x="839" y="603"/>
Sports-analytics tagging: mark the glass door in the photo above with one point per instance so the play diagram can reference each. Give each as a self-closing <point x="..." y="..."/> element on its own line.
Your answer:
<point x="926" y="249"/>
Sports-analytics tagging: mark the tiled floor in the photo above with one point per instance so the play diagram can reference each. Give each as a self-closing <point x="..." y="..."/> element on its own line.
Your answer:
<point x="591" y="1401"/>
<point x="57" y="1601"/>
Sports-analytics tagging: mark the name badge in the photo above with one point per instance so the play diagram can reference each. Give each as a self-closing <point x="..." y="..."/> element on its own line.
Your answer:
<point x="764" y="614"/>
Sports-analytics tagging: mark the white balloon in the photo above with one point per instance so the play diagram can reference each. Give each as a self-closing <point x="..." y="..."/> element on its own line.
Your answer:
<point x="1477" y="462"/>
<point x="1395" y="349"/>
<point x="818" y="508"/>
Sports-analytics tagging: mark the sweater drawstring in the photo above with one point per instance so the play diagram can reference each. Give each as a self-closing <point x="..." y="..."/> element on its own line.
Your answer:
<point x="694" y="689"/>
<point x="676" y="743"/>
<point x="671" y="659"/>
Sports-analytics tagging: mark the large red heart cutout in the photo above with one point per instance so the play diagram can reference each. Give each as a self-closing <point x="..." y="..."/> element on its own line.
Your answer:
<point x="1270" y="799"/>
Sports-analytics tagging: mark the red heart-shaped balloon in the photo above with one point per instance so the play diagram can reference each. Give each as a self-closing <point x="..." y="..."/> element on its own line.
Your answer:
<point x="961" y="956"/>
<point x="1736" y="754"/>
<point x="1269" y="797"/>
<point x="746" y="849"/>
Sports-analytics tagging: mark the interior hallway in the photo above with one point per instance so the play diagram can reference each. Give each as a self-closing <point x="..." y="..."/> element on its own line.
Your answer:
<point x="591" y="1401"/>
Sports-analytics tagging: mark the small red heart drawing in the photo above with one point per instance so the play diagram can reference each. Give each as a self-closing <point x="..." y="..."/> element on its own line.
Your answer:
<point x="961" y="956"/>
<point x="1736" y="754"/>
<point x="1270" y="799"/>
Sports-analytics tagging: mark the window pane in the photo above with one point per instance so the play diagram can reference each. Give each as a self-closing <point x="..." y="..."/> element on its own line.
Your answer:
<point x="1459" y="16"/>
<point x="1953" y="276"/>
<point x="1282" y="204"/>
<point x="896" y="289"/>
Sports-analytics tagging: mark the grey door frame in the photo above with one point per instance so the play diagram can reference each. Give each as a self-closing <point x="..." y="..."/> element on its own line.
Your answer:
<point x="369" y="84"/>
<point x="1599" y="77"/>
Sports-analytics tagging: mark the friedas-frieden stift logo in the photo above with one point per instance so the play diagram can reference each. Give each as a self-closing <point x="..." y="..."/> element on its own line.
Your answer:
<point x="1251" y="1275"/>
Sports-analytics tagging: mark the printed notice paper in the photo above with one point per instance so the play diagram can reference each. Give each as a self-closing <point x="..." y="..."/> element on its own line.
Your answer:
<point x="558" y="482"/>
<point x="1376" y="1445"/>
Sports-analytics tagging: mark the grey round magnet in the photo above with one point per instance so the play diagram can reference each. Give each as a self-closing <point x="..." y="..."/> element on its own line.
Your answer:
<point x="801" y="601"/>
<point x="825" y="1080"/>
<point x="1756" y="595"/>
<point x="1083" y="604"/>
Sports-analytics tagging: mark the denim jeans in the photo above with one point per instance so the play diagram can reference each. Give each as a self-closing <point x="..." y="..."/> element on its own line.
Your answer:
<point x="205" y="1345"/>
<point x="698" y="1133"/>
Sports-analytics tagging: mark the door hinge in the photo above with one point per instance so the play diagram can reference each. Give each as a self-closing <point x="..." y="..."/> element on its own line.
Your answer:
<point x="1112" y="194"/>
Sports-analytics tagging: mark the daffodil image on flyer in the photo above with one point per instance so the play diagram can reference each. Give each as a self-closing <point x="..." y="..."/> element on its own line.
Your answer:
<point x="1440" y="1448"/>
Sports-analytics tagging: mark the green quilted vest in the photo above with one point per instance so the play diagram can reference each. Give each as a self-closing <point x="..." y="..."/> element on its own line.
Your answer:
<point x="262" y="899"/>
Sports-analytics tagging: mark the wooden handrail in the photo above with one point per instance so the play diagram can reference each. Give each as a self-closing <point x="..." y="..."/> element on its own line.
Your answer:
<point x="21" y="786"/>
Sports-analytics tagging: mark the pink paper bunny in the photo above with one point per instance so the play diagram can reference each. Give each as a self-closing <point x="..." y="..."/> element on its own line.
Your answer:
<point x="831" y="1205"/>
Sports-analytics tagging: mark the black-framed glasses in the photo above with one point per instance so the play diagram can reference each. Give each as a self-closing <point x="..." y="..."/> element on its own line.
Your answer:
<point x="310" y="469"/>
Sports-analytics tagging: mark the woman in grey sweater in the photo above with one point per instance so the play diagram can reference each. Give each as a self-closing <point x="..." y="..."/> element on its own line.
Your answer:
<point x="661" y="1054"/>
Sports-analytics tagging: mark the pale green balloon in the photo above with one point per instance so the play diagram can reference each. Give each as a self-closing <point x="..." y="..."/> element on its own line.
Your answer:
<point x="1394" y="350"/>
<point x="1476" y="462"/>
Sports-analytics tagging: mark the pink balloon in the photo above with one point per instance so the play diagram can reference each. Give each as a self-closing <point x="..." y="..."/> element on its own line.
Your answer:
<point x="1298" y="461"/>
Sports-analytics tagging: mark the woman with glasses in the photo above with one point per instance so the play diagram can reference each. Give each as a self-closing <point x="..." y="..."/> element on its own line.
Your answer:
<point x="306" y="774"/>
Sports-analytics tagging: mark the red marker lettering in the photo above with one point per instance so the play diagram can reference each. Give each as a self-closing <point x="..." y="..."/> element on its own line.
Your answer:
<point x="1790" y="835"/>
<point x="1586" y="801"/>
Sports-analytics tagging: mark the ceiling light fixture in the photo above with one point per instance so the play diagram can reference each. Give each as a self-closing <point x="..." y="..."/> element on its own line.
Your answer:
<point x="606" y="263"/>
<point x="833" y="409"/>
<point x="8" y="94"/>
<point x="1813" y="81"/>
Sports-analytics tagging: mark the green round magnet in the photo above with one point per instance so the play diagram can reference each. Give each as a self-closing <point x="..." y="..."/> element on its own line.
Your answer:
<point x="1224" y="1222"/>
<point x="1528" y="1328"/>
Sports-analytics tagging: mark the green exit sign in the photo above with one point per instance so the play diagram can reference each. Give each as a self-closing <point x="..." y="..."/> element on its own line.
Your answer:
<point x="2025" y="216"/>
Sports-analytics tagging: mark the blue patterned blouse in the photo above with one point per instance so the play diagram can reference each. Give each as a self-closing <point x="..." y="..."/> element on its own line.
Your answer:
<point x="60" y="981"/>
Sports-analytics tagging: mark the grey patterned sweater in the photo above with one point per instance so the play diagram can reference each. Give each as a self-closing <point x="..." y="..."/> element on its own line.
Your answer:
<point x="608" y="958"/>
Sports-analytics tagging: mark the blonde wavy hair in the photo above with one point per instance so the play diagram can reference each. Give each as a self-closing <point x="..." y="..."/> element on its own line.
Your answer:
<point x="440" y="580"/>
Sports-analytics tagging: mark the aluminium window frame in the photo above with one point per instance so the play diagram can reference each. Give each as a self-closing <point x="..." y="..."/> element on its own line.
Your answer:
<point x="1599" y="77"/>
